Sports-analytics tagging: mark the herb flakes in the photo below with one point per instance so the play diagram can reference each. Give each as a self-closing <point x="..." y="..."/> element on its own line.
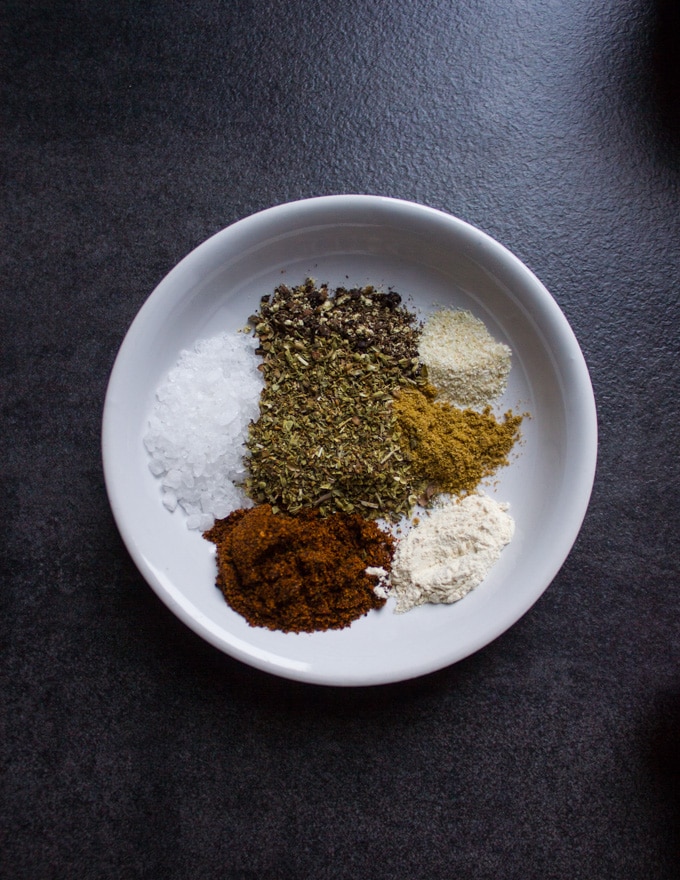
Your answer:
<point x="326" y="437"/>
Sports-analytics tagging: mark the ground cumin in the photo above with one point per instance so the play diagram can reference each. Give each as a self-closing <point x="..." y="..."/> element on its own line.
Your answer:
<point x="299" y="574"/>
<point x="453" y="449"/>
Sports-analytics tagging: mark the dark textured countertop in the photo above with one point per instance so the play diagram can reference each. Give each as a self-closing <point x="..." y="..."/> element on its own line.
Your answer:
<point x="130" y="133"/>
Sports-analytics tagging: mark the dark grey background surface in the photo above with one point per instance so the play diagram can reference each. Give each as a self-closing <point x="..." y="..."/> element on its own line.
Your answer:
<point x="130" y="133"/>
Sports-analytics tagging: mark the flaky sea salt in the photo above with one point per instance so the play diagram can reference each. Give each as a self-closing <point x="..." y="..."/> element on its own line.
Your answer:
<point x="199" y="424"/>
<point x="464" y="362"/>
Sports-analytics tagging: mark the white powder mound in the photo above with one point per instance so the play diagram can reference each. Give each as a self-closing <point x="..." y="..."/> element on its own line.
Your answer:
<point x="464" y="362"/>
<point x="450" y="552"/>
<point x="199" y="425"/>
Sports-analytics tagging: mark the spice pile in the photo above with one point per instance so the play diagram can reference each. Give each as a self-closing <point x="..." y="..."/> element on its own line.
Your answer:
<point x="452" y="449"/>
<point x="326" y="437"/>
<point x="465" y="363"/>
<point x="450" y="552"/>
<point x="198" y="428"/>
<point x="302" y="573"/>
<point x="362" y="413"/>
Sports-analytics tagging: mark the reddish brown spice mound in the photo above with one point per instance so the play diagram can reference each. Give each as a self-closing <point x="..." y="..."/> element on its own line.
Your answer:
<point x="301" y="573"/>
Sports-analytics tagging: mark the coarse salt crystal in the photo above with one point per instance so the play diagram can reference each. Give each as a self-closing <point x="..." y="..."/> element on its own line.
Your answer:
<point x="199" y="424"/>
<point x="169" y="500"/>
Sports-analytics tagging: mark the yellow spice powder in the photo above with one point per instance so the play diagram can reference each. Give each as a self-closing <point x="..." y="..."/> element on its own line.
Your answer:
<point x="453" y="449"/>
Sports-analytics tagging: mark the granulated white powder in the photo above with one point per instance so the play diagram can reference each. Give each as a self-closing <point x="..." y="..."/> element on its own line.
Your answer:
<point x="464" y="362"/>
<point x="449" y="552"/>
<point x="197" y="431"/>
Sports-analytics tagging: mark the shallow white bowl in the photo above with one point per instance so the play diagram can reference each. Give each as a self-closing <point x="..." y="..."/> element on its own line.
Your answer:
<point x="430" y="258"/>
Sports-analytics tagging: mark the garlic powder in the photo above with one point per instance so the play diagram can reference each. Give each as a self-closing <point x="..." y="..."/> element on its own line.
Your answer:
<point x="450" y="552"/>
<point x="468" y="367"/>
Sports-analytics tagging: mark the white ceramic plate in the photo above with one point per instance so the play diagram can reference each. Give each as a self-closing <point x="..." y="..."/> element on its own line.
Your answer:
<point x="430" y="258"/>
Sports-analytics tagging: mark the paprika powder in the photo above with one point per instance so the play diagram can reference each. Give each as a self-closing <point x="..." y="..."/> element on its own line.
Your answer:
<point x="302" y="573"/>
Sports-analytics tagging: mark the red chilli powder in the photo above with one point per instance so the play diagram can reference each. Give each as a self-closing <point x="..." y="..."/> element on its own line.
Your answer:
<point x="301" y="573"/>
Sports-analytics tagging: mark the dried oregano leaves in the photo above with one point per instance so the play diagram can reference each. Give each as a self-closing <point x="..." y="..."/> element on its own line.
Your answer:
<point x="326" y="437"/>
